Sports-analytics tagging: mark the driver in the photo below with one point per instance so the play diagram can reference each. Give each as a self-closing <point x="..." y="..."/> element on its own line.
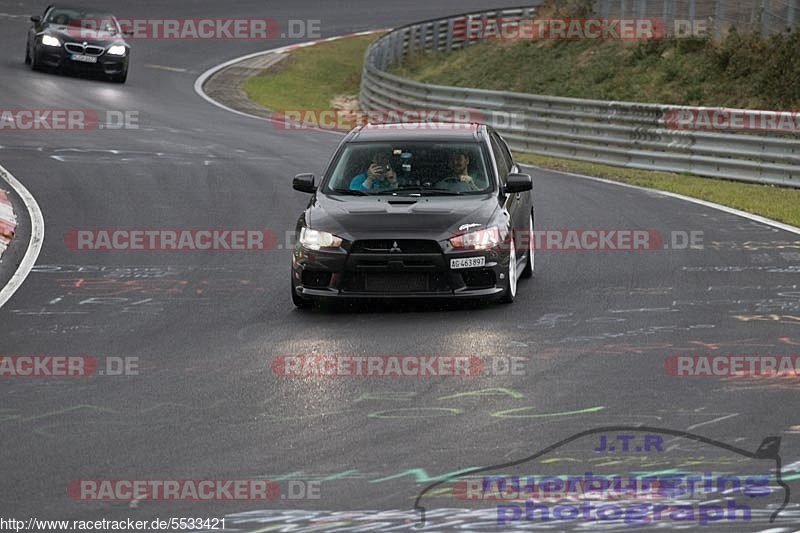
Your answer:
<point x="379" y="176"/>
<point x="457" y="165"/>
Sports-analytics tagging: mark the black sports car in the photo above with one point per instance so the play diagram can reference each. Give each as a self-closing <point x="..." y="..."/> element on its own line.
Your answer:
<point x="415" y="211"/>
<point x="79" y="40"/>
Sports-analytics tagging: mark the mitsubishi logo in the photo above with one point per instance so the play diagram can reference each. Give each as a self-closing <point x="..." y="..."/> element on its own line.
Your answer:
<point x="395" y="248"/>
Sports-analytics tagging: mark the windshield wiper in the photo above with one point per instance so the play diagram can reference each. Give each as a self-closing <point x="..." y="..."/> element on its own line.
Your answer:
<point x="421" y="190"/>
<point x="350" y="192"/>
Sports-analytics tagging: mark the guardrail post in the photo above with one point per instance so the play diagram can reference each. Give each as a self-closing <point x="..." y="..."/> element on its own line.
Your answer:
<point x="604" y="8"/>
<point x="389" y="45"/>
<point x="401" y="37"/>
<point x="642" y="9"/>
<point x="429" y="29"/>
<point x="673" y="10"/>
<point x="388" y="54"/>
<point x="762" y="17"/>
<point x="378" y="57"/>
<point x="399" y="49"/>
<point x="449" y="42"/>
<point x="719" y="13"/>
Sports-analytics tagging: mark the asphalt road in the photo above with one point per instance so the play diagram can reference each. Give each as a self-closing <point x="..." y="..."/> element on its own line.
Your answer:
<point x="593" y="328"/>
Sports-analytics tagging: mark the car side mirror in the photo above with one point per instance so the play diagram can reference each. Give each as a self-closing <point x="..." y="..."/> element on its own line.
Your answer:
<point x="518" y="183"/>
<point x="304" y="183"/>
<point x="36" y="18"/>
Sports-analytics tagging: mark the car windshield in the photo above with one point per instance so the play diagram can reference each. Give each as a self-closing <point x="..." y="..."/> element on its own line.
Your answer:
<point x="418" y="168"/>
<point x="91" y="20"/>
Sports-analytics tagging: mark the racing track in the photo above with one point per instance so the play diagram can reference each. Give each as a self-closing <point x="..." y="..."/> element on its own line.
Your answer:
<point x="594" y="327"/>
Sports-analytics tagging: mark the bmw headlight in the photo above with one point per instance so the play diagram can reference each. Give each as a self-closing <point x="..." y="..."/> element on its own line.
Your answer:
<point x="116" y="50"/>
<point x="49" y="40"/>
<point x="316" y="240"/>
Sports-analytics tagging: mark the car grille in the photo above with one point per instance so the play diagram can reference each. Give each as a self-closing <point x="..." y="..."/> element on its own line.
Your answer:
<point x="395" y="282"/>
<point x="398" y="263"/>
<point x="405" y="246"/>
<point x="89" y="50"/>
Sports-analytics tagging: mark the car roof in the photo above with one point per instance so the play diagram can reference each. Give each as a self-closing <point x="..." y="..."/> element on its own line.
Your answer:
<point x="85" y="9"/>
<point x="418" y="131"/>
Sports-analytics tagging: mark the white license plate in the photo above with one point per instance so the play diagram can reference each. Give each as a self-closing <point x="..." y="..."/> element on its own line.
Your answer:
<point x="83" y="58"/>
<point x="467" y="262"/>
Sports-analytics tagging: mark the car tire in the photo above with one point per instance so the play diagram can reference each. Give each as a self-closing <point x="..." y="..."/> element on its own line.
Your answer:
<point x="527" y="272"/>
<point x="511" y="275"/>
<point x="34" y="63"/>
<point x="299" y="301"/>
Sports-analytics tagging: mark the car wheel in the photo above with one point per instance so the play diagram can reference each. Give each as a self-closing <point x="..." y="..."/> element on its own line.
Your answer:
<point x="527" y="272"/>
<point x="511" y="283"/>
<point x="34" y="63"/>
<point x="299" y="301"/>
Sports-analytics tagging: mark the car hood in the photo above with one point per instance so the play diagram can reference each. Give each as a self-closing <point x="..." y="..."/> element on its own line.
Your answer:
<point x="375" y="217"/>
<point x="81" y="35"/>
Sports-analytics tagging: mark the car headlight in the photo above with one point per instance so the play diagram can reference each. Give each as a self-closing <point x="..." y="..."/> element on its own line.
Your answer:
<point x="116" y="50"/>
<point x="478" y="240"/>
<point x="316" y="240"/>
<point x="49" y="40"/>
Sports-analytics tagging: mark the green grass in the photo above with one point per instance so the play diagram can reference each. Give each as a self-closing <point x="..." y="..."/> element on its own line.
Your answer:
<point x="741" y="71"/>
<point x="311" y="77"/>
<point x="779" y="203"/>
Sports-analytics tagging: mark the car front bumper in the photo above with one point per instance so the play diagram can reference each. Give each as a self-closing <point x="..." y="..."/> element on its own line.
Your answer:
<point x="425" y="273"/>
<point x="60" y="58"/>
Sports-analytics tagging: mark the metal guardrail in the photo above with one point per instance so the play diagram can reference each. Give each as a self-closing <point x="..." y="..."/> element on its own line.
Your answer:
<point x="625" y="134"/>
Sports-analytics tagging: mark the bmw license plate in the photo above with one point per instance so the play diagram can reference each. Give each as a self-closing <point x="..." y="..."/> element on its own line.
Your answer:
<point x="83" y="58"/>
<point x="467" y="262"/>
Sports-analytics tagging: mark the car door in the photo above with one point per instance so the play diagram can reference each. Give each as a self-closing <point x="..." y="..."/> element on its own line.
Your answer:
<point x="513" y="202"/>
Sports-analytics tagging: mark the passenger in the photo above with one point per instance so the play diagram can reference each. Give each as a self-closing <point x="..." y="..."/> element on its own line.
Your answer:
<point x="379" y="176"/>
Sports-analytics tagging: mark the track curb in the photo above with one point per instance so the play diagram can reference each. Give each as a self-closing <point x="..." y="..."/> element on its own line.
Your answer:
<point x="8" y="222"/>
<point x="36" y="239"/>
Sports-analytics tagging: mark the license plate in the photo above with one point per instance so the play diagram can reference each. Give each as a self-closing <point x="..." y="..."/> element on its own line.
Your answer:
<point x="83" y="58"/>
<point x="467" y="262"/>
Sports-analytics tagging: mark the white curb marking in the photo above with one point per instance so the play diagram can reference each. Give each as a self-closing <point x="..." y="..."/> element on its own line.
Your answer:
<point x="35" y="242"/>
